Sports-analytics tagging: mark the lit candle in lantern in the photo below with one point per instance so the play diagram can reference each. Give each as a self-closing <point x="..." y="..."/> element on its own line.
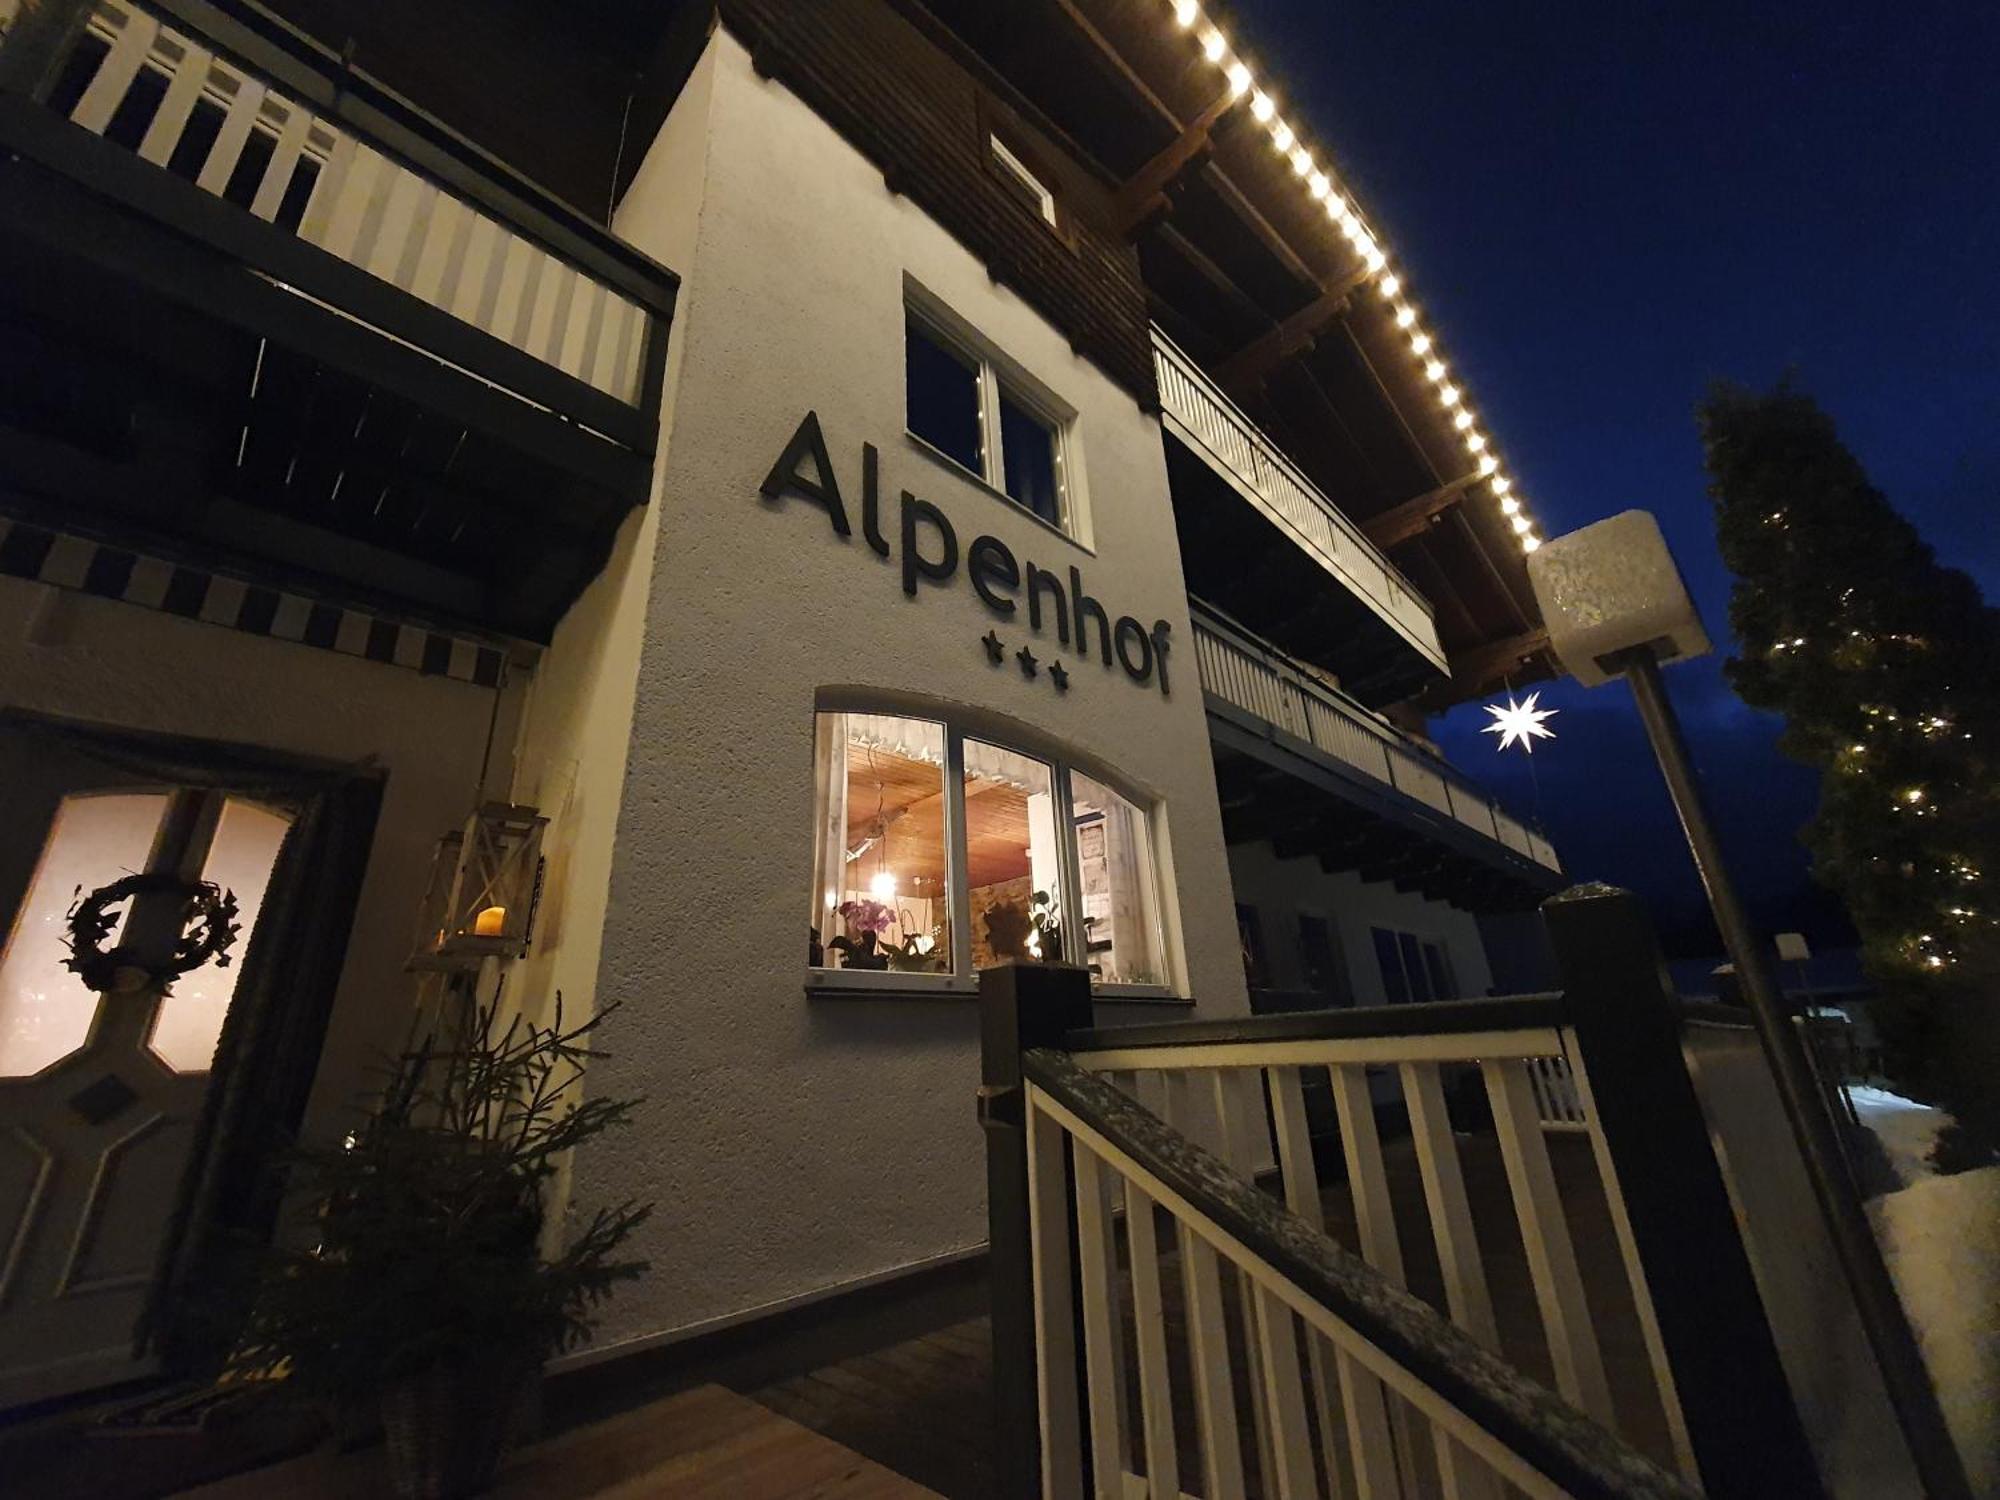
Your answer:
<point x="491" y="922"/>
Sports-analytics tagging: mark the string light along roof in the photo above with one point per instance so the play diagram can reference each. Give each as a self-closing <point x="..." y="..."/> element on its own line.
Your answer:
<point x="1326" y="190"/>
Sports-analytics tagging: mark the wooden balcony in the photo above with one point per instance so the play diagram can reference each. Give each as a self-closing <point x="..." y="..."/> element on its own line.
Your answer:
<point x="268" y="316"/>
<point x="1291" y="563"/>
<point x="1395" y="810"/>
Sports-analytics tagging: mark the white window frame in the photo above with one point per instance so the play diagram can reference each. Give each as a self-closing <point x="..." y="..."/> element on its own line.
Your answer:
<point x="963" y="978"/>
<point x="994" y="372"/>
<point x="1021" y="172"/>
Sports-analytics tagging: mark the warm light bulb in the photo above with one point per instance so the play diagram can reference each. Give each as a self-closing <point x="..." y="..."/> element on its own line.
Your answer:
<point x="1374" y="259"/>
<point x="1186" y="12"/>
<point x="1510" y="506"/>
<point x="1319" y="186"/>
<point x="1282" y="137"/>
<point x="1262" y="107"/>
<point x="1421" y="343"/>
<point x="1522" y="526"/>
<point x="1475" y="442"/>
<point x="1488" y="464"/>
<point x="1213" y="46"/>
<point x="1390" y="285"/>
<point x="1502" y="484"/>
<point x="1434" y="370"/>
<point x="1530" y="543"/>
<point x="1462" y="421"/>
<point x="1405" y="316"/>
<point x="883" y="886"/>
<point x="1302" y="162"/>
<point x="1239" y="79"/>
<point x="1448" y="395"/>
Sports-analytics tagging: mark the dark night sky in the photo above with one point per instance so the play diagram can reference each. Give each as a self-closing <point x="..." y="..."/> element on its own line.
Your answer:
<point x="1602" y="207"/>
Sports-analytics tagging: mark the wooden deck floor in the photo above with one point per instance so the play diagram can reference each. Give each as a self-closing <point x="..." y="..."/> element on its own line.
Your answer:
<point x="703" y="1444"/>
<point x="921" y="1406"/>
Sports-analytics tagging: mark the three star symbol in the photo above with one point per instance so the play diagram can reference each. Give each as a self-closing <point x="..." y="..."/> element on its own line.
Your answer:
<point x="996" y="653"/>
<point x="1521" y="722"/>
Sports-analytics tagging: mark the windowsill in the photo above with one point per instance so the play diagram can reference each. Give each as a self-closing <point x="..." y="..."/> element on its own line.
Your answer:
<point x="958" y="470"/>
<point x="887" y="984"/>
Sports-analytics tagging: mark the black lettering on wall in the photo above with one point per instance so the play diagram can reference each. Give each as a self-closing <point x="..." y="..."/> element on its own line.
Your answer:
<point x="1085" y="607"/>
<point x="915" y="564"/>
<point x="871" y="499"/>
<point x="1040" y="583"/>
<point x="1131" y="633"/>
<point x="1161" y="630"/>
<point x="988" y="563"/>
<point x="824" y="491"/>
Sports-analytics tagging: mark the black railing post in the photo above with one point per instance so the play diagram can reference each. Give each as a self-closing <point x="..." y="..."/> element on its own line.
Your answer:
<point x="1021" y="1006"/>
<point x="1742" y="1422"/>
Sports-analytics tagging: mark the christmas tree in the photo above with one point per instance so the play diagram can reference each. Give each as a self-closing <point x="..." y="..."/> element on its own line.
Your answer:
<point x="1886" y="667"/>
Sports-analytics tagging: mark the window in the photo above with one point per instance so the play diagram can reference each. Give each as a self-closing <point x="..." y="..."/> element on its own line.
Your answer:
<point x="1320" y="961"/>
<point x="940" y="853"/>
<point x="1022" y="181"/>
<point x="1250" y="940"/>
<point x="1413" y="968"/>
<point x="984" y="420"/>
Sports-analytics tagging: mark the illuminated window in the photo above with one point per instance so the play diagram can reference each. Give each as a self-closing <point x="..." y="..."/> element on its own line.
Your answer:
<point x="45" y="1012"/>
<point x="941" y="853"/>
<point x="240" y="859"/>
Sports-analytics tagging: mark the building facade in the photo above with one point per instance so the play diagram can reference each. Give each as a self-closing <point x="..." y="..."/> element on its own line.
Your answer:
<point x="918" y="515"/>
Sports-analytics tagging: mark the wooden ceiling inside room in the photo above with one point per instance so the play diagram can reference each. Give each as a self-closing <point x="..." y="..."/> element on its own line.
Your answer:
<point x="908" y="796"/>
<point x="1242" y="251"/>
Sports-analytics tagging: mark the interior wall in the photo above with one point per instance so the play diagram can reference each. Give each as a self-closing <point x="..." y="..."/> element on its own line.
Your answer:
<point x="103" y="662"/>
<point x="1282" y="888"/>
<point x="793" y="1144"/>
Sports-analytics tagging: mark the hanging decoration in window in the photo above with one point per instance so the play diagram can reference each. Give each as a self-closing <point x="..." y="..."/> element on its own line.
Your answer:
<point x="208" y="931"/>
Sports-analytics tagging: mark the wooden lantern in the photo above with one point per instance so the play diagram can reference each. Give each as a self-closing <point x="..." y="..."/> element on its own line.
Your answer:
<point x="485" y="882"/>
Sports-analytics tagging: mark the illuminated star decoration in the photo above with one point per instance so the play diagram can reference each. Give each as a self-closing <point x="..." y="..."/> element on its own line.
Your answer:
<point x="1520" y="721"/>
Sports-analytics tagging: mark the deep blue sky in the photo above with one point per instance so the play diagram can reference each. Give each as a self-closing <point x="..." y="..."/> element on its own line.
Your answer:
<point x="1603" y="205"/>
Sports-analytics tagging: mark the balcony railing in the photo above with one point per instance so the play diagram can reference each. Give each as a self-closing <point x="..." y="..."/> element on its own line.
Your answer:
<point x="495" y="277"/>
<point x="1198" y="412"/>
<point x="1239" y="669"/>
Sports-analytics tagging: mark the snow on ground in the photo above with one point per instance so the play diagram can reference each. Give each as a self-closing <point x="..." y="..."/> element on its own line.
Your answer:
<point x="1905" y="1128"/>
<point x="1941" y="1239"/>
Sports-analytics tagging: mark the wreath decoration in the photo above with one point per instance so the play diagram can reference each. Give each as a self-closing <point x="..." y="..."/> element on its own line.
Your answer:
<point x="208" y="931"/>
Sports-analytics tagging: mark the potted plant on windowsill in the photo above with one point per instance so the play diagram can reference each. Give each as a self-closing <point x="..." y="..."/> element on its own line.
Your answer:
<point x="423" y="1286"/>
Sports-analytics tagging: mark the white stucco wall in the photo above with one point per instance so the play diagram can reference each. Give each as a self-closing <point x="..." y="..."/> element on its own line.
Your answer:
<point x="795" y="1144"/>
<point x="576" y="724"/>
<point x="1282" y="888"/>
<point x="102" y="662"/>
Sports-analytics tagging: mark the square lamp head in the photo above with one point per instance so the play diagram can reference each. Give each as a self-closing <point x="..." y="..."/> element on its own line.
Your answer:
<point x="1611" y="587"/>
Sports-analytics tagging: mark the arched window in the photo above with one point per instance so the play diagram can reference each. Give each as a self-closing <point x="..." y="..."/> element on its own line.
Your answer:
<point x="938" y="852"/>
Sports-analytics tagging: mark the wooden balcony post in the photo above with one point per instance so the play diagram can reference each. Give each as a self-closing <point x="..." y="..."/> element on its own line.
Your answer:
<point x="1021" y="1007"/>
<point x="1742" y="1426"/>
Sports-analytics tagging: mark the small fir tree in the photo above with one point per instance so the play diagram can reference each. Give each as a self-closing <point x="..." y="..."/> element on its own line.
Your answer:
<point x="1886" y="667"/>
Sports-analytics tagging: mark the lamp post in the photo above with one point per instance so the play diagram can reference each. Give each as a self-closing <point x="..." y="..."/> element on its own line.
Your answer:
<point x="1616" y="606"/>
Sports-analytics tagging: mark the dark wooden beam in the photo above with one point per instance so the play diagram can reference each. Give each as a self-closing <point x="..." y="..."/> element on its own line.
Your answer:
<point x="1472" y="672"/>
<point x="1250" y="365"/>
<point x="1143" y="201"/>
<point x="1414" y="517"/>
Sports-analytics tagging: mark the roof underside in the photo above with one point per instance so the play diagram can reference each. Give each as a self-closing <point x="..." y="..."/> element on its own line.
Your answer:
<point x="1242" y="250"/>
